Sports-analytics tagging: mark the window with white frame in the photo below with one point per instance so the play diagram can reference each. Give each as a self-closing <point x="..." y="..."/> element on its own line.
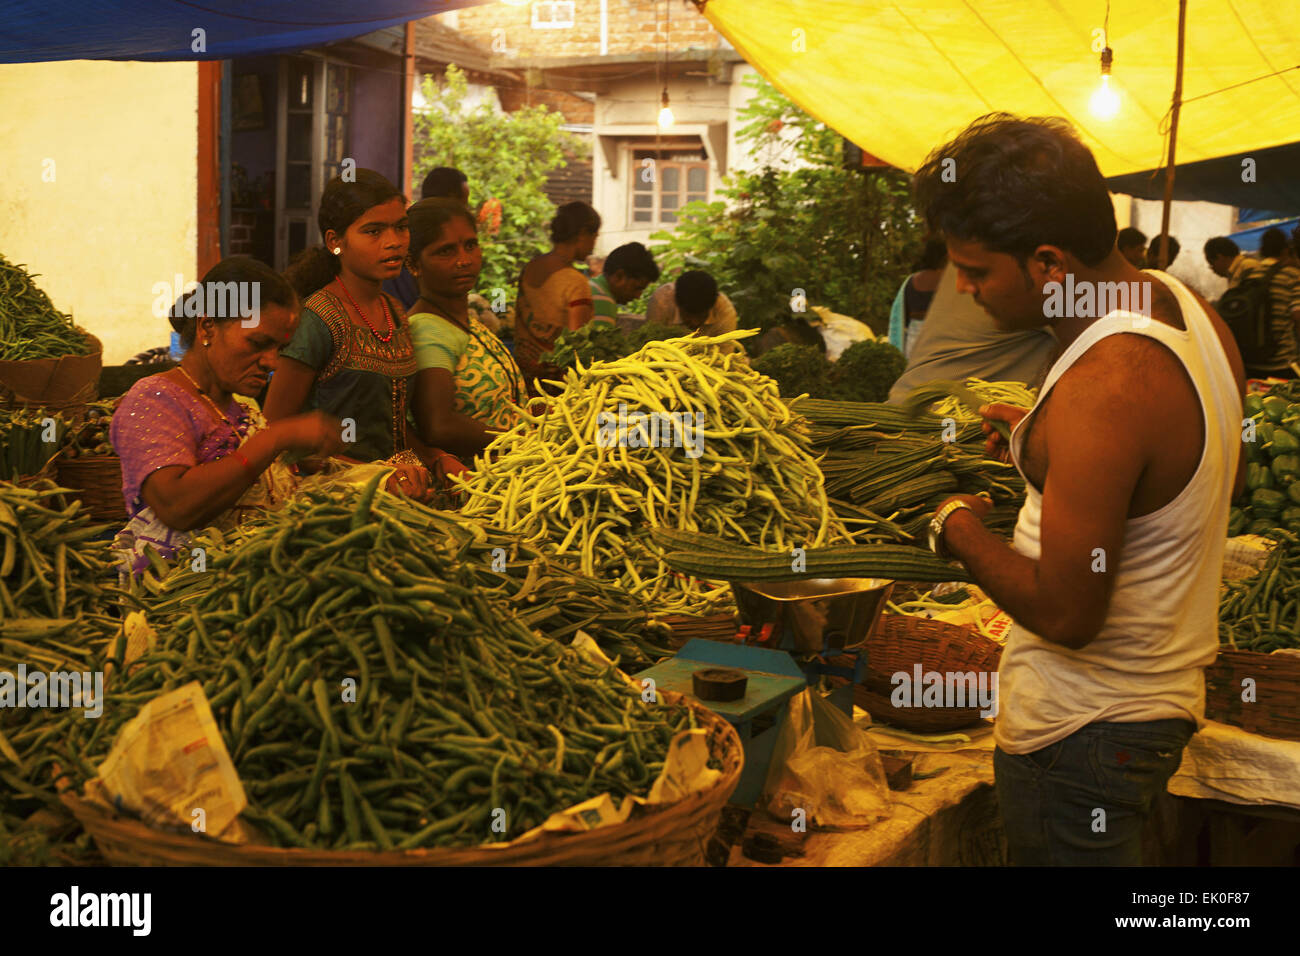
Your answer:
<point x="665" y="180"/>
<point x="553" y="14"/>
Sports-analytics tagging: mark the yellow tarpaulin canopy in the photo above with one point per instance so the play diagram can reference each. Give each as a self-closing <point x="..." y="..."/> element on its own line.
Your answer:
<point x="900" y="77"/>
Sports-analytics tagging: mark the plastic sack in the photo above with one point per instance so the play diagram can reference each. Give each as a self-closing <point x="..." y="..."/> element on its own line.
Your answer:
<point x="824" y="765"/>
<point x="839" y="331"/>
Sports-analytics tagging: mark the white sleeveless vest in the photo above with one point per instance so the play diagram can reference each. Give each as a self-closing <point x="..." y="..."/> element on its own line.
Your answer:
<point x="1161" y="629"/>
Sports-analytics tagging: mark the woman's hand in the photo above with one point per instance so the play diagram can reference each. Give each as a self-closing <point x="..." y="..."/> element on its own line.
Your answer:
<point x="995" y="446"/>
<point x="411" y="480"/>
<point x="313" y="434"/>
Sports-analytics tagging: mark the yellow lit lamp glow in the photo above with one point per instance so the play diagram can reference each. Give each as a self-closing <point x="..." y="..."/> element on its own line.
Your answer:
<point x="516" y="3"/>
<point x="665" y="113"/>
<point x="1105" y="101"/>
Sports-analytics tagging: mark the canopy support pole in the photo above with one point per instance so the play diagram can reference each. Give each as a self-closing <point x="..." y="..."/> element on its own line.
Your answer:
<point x="1173" y="137"/>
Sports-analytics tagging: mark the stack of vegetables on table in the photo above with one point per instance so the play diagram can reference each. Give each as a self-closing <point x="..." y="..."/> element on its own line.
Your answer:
<point x="1262" y="612"/>
<point x="88" y="435"/>
<point x="571" y="483"/>
<point x="864" y="372"/>
<point x="55" y="599"/>
<point x="887" y="469"/>
<point x="1271" y="443"/>
<point x="30" y="326"/>
<point x="29" y="440"/>
<point x="604" y="342"/>
<point x="459" y="707"/>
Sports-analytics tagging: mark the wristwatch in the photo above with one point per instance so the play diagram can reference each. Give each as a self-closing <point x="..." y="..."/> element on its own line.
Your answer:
<point x="937" y="523"/>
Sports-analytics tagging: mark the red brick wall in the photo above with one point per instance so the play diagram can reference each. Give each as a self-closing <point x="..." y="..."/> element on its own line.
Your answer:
<point x="574" y="108"/>
<point x="634" y="26"/>
<point x="243" y="225"/>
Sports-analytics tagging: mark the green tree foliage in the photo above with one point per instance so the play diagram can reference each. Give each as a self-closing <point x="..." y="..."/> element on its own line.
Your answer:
<point x="507" y="156"/>
<point x="844" y="236"/>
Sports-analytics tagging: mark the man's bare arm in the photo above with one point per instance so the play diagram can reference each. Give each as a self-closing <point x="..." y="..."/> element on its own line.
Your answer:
<point x="1095" y="464"/>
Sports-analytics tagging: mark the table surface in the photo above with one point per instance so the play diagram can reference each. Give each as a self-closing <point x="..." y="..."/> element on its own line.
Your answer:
<point x="947" y="819"/>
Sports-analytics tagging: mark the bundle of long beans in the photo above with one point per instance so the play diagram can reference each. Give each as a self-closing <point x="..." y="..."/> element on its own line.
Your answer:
<point x="1262" y="612"/>
<point x="566" y="482"/>
<point x="56" y="588"/>
<point x="52" y="565"/>
<point x="461" y="717"/>
<point x="30" y="326"/>
<point x="29" y="440"/>
<point x="887" y="469"/>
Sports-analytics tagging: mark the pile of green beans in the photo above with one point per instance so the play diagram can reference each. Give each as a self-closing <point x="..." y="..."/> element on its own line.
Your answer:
<point x="460" y="709"/>
<point x="52" y="565"/>
<point x="23" y="446"/>
<point x="56" y="592"/>
<point x="1262" y="612"/>
<point x="546" y="594"/>
<point x="30" y="326"/>
<point x="887" y="469"/>
<point x="592" y="503"/>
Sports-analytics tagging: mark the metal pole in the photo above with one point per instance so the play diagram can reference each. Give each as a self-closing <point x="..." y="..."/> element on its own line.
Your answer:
<point x="1173" y="137"/>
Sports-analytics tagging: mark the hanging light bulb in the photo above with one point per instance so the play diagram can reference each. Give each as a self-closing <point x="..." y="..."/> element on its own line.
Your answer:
<point x="665" y="113"/>
<point x="1105" y="101"/>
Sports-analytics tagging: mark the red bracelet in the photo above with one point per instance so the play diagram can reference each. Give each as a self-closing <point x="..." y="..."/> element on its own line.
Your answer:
<point x="244" y="461"/>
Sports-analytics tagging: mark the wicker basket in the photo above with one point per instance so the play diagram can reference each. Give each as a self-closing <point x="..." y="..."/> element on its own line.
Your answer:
<point x="675" y="834"/>
<point x="1275" y="711"/>
<point x="97" y="481"/>
<point x="715" y="627"/>
<point x="898" y="643"/>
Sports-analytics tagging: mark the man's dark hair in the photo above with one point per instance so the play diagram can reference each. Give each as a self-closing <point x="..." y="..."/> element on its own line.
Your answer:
<point x="695" y="291"/>
<point x="1221" y="246"/>
<point x="444" y="182"/>
<point x="1016" y="184"/>
<point x="633" y="260"/>
<point x="1273" y="243"/>
<point x="933" y="255"/>
<point x="1154" y="249"/>
<point x="573" y="218"/>
<point x="1129" y="237"/>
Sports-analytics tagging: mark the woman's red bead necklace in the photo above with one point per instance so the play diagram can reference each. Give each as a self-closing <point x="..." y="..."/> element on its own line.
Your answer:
<point x="392" y="327"/>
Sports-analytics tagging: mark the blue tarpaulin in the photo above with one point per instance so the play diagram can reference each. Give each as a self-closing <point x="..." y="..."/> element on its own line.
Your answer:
<point x="1268" y="181"/>
<point x="1248" y="240"/>
<point x="36" y="30"/>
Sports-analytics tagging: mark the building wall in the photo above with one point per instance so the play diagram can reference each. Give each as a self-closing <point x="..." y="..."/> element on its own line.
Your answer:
<point x="1191" y="223"/>
<point x="632" y="26"/>
<point x="376" y="119"/>
<point x="695" y="101"/>
<point x="121" y="213"/>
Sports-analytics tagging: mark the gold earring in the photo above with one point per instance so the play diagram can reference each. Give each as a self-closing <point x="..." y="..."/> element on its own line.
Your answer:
<point x="338" y="250"/>
<point x="207" y="343"/>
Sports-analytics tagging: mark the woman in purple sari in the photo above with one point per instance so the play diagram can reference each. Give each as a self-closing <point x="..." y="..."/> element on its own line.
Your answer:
<point x="195" y="451"/>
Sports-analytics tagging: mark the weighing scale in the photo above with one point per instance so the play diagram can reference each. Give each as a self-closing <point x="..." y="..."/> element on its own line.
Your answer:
<point x="809" y="619"/>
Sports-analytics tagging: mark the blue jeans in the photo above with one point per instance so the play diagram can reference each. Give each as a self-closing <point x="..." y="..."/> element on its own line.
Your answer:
<point x="1082" y="801"/>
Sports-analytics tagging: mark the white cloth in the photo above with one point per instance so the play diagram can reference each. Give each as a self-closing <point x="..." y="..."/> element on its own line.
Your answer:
<point x="1227" y="763"/>
<point x="1161" y="629"/>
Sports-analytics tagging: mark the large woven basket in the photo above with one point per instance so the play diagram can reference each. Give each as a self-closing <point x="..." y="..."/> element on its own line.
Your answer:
<point x="1275" y="710"/>
<point x="898" y="643"/>
<point x="97" y="482"/>
<point x="675" y="834"/>
<point x="714" y="627"/>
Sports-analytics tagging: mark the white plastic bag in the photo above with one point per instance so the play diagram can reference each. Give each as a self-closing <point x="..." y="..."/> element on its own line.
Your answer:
<point x="839" y="331"/>
<point x="826" y="767"/>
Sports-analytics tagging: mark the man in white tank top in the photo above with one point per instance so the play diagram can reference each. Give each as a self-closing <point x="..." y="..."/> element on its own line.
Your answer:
<point x="1130" y="457"/>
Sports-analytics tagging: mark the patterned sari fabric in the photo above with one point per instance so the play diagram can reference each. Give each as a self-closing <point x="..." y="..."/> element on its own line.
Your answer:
<point x="487" y="379"/>
<point x="160" y="423"/>
<point x="358" y="376"/>
<point x="542" y="314"/>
